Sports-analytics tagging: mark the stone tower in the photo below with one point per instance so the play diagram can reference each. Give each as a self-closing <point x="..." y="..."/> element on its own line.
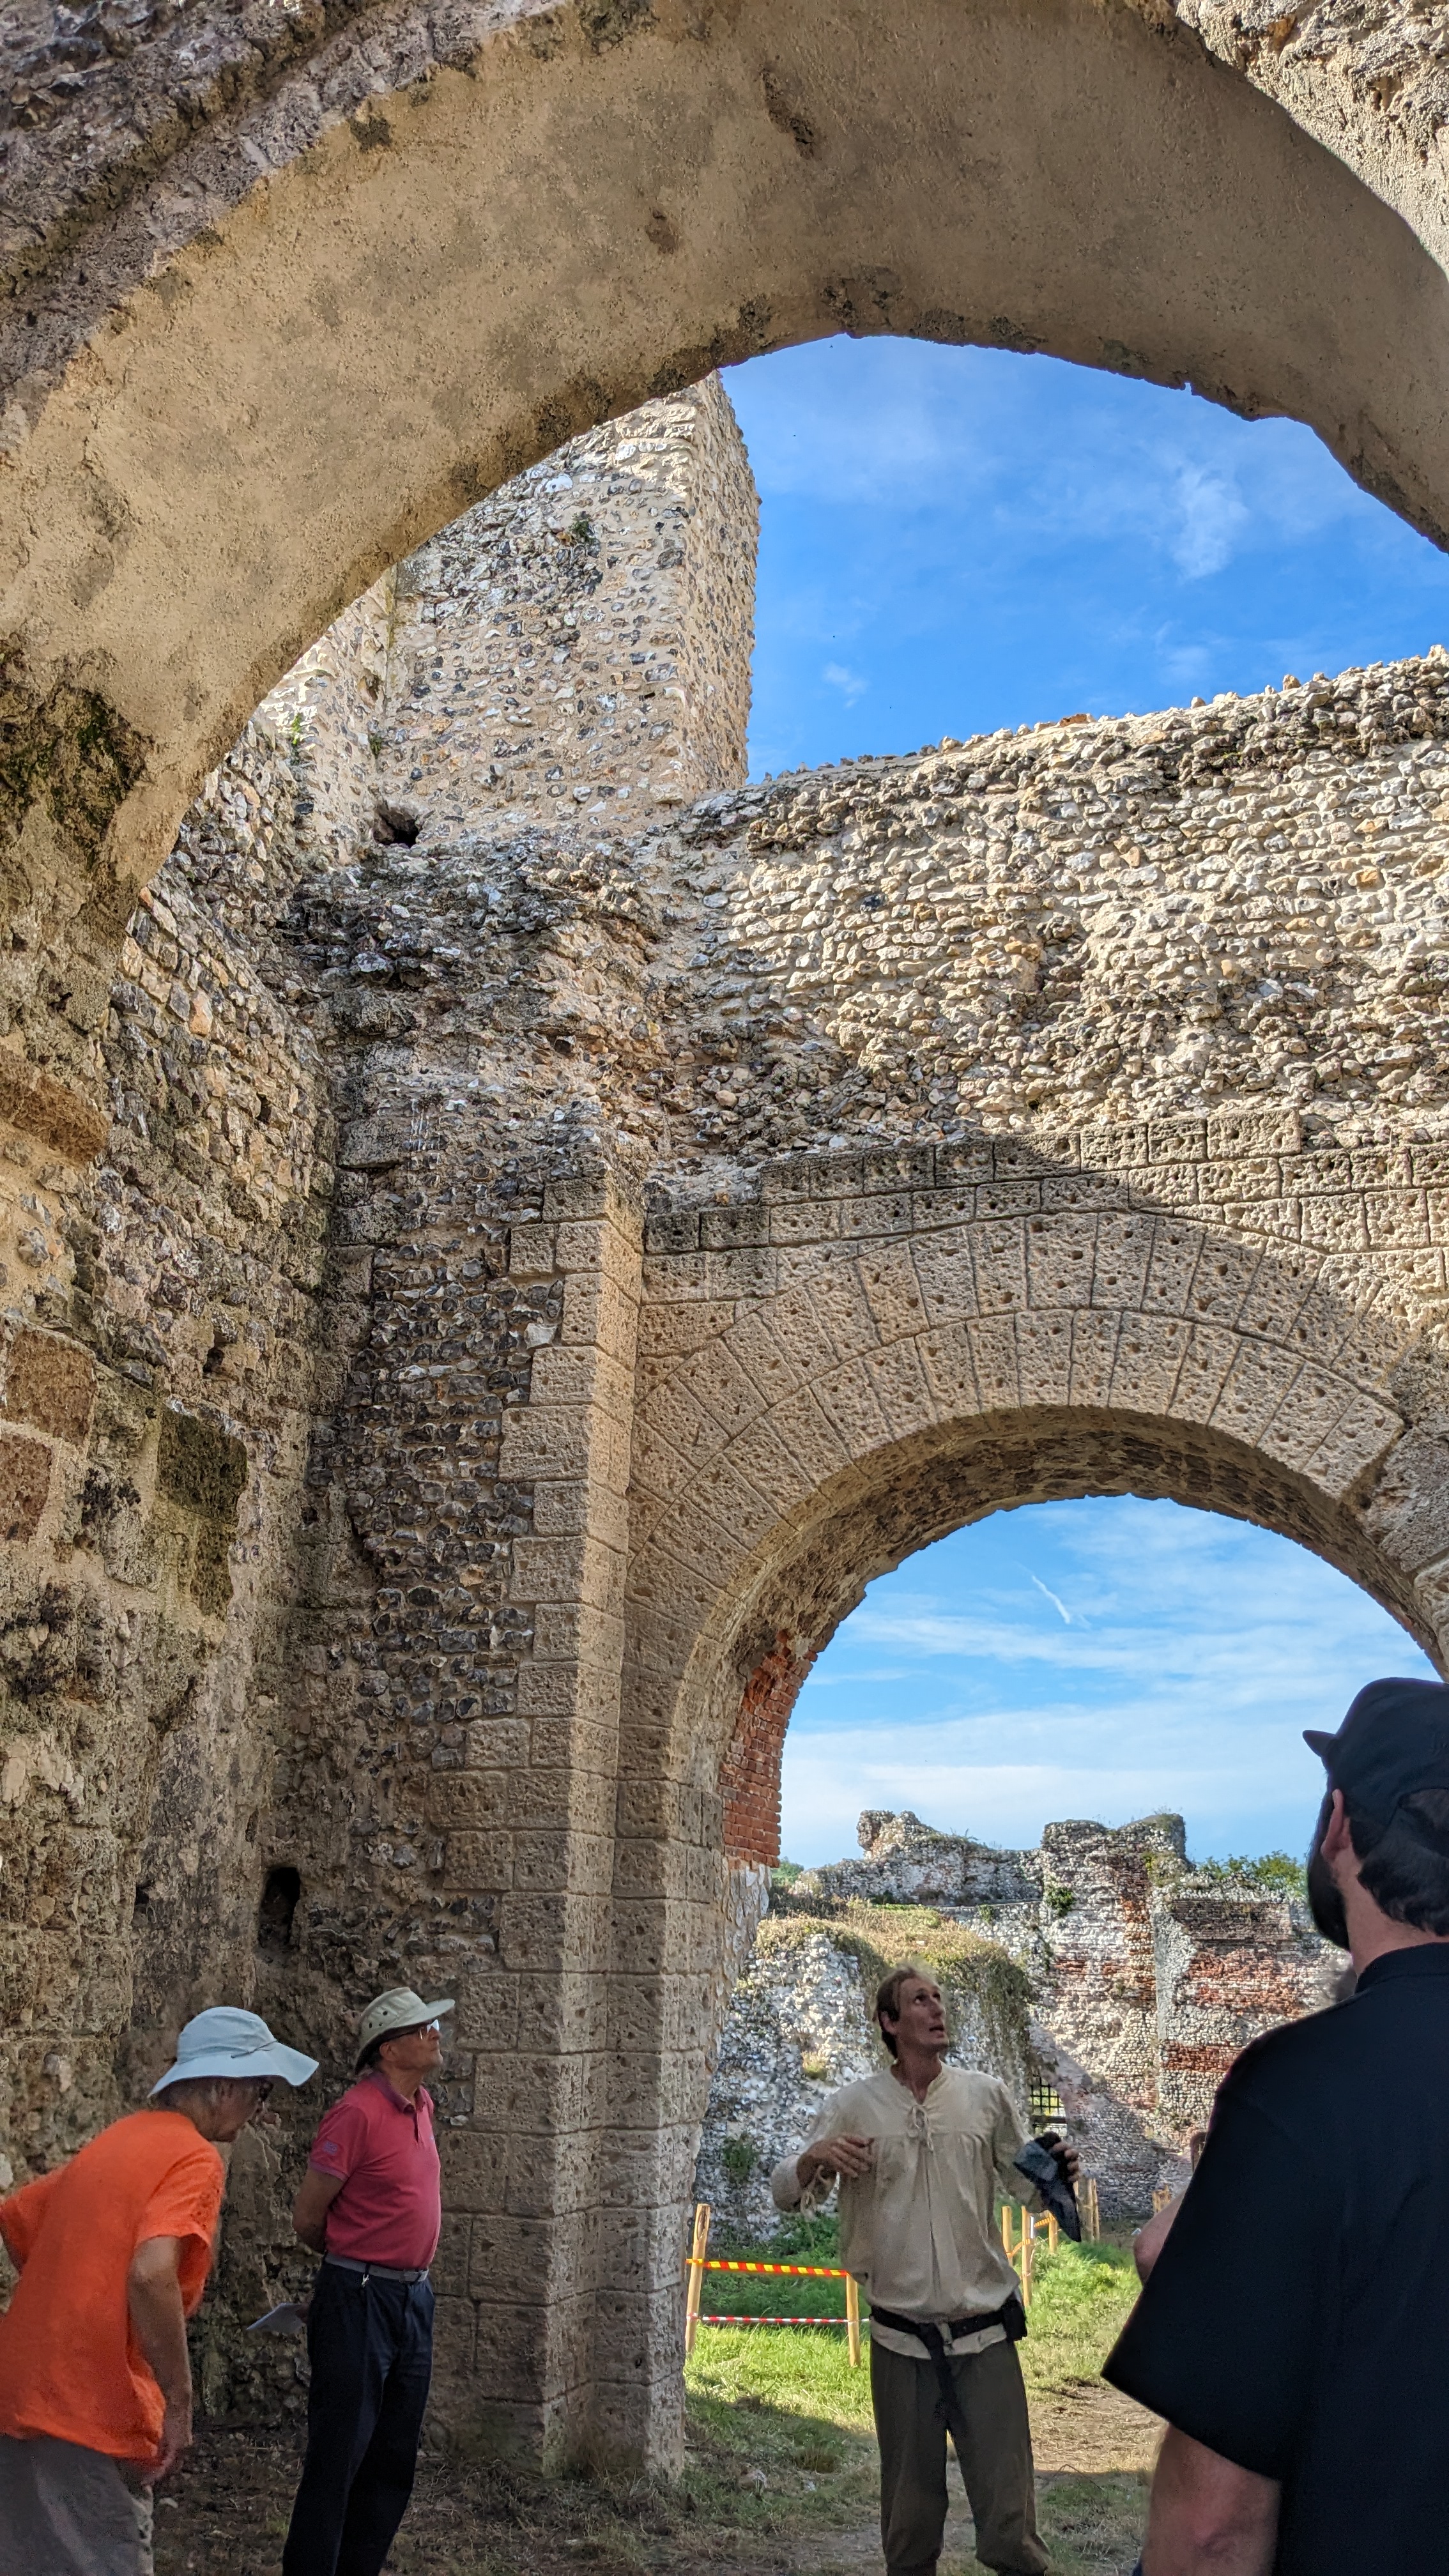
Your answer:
<point x="579" y="643"/>
<point x="575" y="649"/>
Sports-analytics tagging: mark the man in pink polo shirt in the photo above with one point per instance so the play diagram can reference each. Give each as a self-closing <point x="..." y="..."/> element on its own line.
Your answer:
<point x="371" y="2206"/>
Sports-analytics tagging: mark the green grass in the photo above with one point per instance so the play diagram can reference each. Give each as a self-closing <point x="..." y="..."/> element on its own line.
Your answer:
<point x="784" y="2402"/>
<point x="1080" y="2299"/>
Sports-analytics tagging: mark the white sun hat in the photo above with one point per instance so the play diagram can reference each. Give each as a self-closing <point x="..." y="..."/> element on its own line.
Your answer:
<point x="227" y="2041"/>
<point x="398" y="2009"/>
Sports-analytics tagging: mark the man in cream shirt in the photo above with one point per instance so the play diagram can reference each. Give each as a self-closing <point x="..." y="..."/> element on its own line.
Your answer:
<point x="920" y="2151"/>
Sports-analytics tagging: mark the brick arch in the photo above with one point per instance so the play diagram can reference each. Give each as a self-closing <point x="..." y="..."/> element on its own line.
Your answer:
<point x="919" y="1490"/>
<point x="873" y="1354"/>
<point x="970" y="1326"/>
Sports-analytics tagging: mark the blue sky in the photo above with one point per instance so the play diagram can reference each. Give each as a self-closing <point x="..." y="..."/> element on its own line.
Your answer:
<point x="955" y="539"/>
<point x="1105" y="1658"/>
<point x="951" y="540"/>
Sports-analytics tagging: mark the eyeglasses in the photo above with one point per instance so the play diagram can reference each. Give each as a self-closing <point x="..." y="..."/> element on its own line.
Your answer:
<point x="416" y="2030"/>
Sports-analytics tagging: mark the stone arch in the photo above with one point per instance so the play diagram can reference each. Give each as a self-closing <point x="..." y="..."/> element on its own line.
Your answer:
<point x="871" y="1356"/>
<point x="389" y="266"/>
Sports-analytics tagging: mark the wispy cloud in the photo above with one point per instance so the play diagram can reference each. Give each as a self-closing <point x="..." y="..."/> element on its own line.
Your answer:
<point x="982" y="538"/>
<point x="849" y="683"/>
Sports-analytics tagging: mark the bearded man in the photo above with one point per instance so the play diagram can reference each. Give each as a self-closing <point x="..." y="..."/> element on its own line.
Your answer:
<point x="1292" y="2328"/>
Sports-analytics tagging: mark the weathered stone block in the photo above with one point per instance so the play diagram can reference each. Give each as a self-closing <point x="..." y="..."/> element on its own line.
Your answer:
<point x="24" y="1485"/>
<point x="51" y="1384"/>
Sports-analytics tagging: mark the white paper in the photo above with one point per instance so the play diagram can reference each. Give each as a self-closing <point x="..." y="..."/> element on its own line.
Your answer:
<point x="287" y="2319"/>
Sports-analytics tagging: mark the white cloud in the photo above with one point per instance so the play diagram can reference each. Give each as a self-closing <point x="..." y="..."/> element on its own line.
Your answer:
<point x="849" y="683"/>
<point x="1212" y="518"/>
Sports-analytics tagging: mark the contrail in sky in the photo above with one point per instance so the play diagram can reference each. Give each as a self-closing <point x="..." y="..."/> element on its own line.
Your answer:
<point x="1051" y="1596"/>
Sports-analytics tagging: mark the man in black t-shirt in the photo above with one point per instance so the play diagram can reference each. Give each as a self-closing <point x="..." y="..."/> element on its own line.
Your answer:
<point x="1294" y="2331"/>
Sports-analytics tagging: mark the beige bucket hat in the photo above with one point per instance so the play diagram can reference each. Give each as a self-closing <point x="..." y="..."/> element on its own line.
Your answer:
<point x="398" y="2009"/>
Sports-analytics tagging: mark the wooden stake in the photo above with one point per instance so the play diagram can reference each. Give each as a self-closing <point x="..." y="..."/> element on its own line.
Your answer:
<point x="852" y="2319"/>
<point x="1091" y="2211"/>
<point x="695" y="2274"/>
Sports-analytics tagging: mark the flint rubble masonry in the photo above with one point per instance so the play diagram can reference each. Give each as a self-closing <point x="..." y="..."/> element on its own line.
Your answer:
<point x="538" y="1270"/>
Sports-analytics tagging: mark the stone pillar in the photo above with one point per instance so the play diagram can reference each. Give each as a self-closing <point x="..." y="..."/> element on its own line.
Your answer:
<point x="527" y="2175"/>
<point x="1100" y="1993"/>
<point x="577" y="648"/>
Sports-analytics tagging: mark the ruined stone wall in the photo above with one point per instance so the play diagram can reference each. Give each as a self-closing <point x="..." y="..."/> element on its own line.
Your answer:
<point x="585" y="1277"/>
<point x="1146" y="1978"/>
<point x="581" y="639"/>
<point x="159" y="1334"/>
<point x="329" y="718"/>
<point x="1151" y="917"/>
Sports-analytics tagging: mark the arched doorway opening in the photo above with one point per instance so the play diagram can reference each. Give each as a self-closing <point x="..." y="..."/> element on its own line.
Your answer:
<point x="384" y="285"/>
<point x="1067" y="1736"/>
<point x="886" y="1394"/>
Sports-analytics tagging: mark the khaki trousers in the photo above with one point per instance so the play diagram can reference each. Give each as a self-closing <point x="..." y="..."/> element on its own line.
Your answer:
<point x="910" y="2424"/>
<point x="66" y="2511"/>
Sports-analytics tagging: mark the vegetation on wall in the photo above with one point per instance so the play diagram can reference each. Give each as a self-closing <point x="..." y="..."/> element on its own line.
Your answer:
<point x="1274" y="1873"/>
<point x="976" y="1977"/>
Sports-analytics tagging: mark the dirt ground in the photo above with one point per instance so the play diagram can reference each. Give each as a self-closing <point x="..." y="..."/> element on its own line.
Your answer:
<point x="225" y="2513"/>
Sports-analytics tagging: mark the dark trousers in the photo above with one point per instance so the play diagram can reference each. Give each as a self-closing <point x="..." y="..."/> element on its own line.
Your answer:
<point x="371" y="2349"/>
<point x="910" y="2423"/>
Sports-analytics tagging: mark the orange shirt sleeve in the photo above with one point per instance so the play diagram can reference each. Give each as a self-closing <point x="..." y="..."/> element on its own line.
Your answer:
<point x="21" y="2214"/>
<point x="186" y="2203"/>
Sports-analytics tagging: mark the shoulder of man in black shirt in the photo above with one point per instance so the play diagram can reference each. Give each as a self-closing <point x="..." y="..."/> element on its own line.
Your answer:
<point x="1288" y="2325"/>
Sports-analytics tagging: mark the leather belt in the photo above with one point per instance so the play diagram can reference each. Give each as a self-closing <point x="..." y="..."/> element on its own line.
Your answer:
<point x="377" y="2271"/>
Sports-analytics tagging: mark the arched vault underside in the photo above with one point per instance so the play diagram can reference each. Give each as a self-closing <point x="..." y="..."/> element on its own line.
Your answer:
<point x="260" y="349"/>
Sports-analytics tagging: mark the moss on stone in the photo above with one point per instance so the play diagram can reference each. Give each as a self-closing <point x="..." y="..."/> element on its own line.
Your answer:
<point x="70" y="749"/>
<point x="970" y="1970"/>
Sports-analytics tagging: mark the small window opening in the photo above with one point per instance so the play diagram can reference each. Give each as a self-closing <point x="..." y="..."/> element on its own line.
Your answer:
<point x="1044" y="2101"/>
<point x="394" y="823"/>
<point x="277" y="1909"/>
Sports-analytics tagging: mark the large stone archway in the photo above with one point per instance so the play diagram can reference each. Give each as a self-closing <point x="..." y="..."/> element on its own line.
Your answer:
<point x="290" y="295"/>
<point x="876" y="1351"/>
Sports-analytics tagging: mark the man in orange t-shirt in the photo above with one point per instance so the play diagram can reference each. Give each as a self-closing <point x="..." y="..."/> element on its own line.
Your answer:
<point x="113" y="2250"/>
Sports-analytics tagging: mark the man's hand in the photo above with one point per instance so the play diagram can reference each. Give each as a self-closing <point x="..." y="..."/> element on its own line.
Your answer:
<point x="1067" y="2159"/>
<point x="153" y="2296"/>
<point x="1208" y="2517"/>
<point x="309" y="2209"/>
<point x="175" y="2438"/>
<point x="848" y="2157"/>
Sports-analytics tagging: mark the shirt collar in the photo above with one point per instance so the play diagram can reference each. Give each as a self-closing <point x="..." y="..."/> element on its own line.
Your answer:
<point x="1425" y="1959"/>
<point x="398" y="2100"/>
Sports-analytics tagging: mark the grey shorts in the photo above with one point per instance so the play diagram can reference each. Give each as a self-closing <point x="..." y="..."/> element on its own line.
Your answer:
<point x="65" y="2511"/>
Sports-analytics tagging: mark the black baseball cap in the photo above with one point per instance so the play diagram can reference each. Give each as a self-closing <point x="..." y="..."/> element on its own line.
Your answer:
<point x="1394" y="1740"/>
